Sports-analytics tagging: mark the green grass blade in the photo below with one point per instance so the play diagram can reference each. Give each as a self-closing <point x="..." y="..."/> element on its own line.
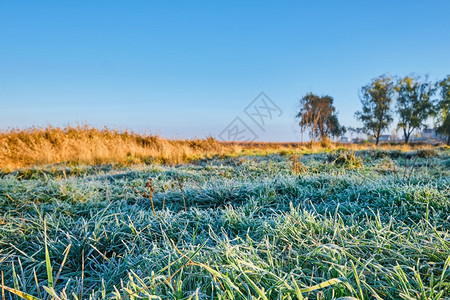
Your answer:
<point x="47" y="258"/>
<point x="19" y="293"/>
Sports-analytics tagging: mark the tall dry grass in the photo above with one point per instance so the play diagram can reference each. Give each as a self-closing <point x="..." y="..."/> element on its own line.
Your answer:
<point x="91" y="146"/>
<point x="88" y="145"/>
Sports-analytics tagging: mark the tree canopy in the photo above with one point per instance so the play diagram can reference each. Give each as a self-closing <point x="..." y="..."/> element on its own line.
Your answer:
<point x="414" y="105"/>
<point x="318" y="114"/>
<point x="443" y="107"/>
<point x="376" y="99"/>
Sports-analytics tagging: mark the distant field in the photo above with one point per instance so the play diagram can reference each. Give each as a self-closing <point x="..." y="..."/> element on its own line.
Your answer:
<point x="84" y="145"/>
<point x="370" y="224"/>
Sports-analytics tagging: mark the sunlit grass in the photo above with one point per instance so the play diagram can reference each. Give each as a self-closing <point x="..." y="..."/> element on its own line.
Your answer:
<point x="87" y="145"/>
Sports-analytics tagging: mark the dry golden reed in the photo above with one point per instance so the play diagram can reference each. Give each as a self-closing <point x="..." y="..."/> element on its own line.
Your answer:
<point x="88" y="145"/>
<point x="91" y="146"/>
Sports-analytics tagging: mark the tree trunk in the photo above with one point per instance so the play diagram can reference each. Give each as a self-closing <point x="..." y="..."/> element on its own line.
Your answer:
<point x="448" y="140"/>
<point x="377" y="138"/>
<point x="407" y="138"/>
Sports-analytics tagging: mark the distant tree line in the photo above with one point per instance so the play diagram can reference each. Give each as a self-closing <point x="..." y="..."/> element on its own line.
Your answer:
<point x="414" y="100"/>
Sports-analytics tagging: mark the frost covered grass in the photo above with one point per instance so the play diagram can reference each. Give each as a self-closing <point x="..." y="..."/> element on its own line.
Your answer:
<point x="368" y="225"/>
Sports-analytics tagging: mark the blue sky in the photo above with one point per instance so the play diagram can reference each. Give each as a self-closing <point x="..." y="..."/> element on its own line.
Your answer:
<point x="187" y="69"/>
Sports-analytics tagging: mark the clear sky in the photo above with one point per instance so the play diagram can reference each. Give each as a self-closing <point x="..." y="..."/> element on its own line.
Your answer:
<point x="188" y="68"/>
